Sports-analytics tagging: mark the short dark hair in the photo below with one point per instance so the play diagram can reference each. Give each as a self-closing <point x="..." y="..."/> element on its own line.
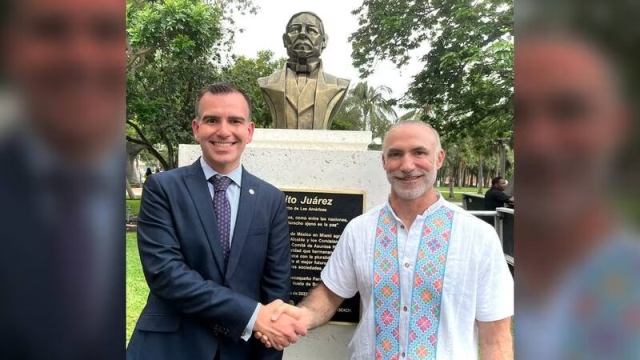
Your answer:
<point x="496" y="180"/>
<point x="309" y="13"/>
<point x="221" y="88"/>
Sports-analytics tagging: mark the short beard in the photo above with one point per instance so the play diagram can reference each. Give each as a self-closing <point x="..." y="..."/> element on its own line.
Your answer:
<point x="408" y="194"/>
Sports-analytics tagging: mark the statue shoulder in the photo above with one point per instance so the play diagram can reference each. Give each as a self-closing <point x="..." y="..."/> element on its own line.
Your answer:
<point x="344" y="82"/>
<point x="331" y="79"/>
<point x="274" y="77"/>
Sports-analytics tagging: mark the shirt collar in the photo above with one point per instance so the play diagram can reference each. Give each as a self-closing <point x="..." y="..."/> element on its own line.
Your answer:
<point x="435" y="206"/>
<point x="235" y="175"/>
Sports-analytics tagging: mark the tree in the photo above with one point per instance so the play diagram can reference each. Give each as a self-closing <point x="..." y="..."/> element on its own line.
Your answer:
<point x="179" y="36"/>
<point x="244" y="74"/>
<point x="376" y="111"/>
<point x="467" y="81"/>
<point x="174" y="49"/>
<point x="349" y="116"/>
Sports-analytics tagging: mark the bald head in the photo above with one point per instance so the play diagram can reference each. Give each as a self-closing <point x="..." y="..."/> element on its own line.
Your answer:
<point x="418" y="125"/>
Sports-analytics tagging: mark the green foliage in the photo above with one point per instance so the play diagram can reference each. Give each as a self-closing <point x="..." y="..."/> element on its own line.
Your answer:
<point x="366" y="108"/>
<point x="171" y="46"/>
<point x="467" y="80"/>
<point x="348" y="116"/>
<point x="244" y="74"/>
<point x="173" y="52"/>
<point x="465" y="89"/>
<point x="375" y="109"/>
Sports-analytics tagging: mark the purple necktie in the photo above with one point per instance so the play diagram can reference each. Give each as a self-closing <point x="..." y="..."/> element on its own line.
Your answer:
<point x="222" y="208"/>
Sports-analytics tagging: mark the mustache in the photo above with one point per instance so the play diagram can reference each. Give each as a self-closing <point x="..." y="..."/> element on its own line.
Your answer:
<point x="404" y="175"/>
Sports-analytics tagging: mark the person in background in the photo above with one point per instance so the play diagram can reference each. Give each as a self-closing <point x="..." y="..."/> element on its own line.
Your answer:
<point x="495" y="197"/>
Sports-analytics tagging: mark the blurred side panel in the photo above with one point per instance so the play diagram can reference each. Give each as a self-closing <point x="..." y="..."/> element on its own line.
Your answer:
<point x="577" y="245"/>
<point x="62" y="108"/>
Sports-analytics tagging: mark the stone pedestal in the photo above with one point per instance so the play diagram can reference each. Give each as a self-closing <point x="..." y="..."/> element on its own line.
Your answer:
<point x="314" y="160"/>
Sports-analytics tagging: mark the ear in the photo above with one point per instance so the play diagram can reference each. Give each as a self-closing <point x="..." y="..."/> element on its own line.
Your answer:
<point x="252" y="127"/>
<point x="195" y="126"/>
<point x="284" y="39"/>
<point x="440" y="158"/>
<point x="325" y="41"/>
<point x="384" y="160"/>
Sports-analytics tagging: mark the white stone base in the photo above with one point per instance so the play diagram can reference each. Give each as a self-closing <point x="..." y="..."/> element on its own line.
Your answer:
<point x="314" y="160"/>
<point x="310" y="139"/>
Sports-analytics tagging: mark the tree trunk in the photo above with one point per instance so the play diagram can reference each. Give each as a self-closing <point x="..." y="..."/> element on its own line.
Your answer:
<point x="132" y="152"/>
<point x="465" y="177"/>
<point x="130" y="192"/>
<point x="451" y="176"/>
<point x="170" y="155"/>
<point x="480" y="181"/>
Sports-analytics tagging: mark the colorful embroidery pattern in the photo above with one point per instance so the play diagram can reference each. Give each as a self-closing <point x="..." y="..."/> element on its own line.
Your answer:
<point x="386" y="288"/>
<point x="427" y="286"/>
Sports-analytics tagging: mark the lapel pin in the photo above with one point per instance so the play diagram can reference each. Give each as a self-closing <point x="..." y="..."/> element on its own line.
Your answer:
<point x="251" y="191"/>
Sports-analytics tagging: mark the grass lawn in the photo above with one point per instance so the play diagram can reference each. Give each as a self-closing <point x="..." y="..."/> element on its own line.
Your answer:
<point x="137" y="289"/>
<point x="135" y="206"/>
<point x="457" y="192"/>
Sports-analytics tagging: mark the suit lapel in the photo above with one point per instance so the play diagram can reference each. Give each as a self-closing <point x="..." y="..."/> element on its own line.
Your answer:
<point x="325" y="90"/>
<point x="199" y="190"/>
<point x="248" y="195"/>
<point x="307" y="98"/>
<point x="291" y="89"/>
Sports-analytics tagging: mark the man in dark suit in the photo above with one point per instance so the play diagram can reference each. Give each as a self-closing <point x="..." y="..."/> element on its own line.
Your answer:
<point x="214" y="245"/>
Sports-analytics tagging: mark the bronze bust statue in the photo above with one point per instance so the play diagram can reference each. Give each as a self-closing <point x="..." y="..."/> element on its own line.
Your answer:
<point x="302" y="95"/>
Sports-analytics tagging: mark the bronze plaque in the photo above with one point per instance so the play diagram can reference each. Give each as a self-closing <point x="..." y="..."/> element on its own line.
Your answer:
<point x="316" y="221"/>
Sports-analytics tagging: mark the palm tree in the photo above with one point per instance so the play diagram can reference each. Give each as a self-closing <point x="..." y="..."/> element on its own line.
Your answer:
<point x="375" y="109"/>
<point x="416" y="114"/>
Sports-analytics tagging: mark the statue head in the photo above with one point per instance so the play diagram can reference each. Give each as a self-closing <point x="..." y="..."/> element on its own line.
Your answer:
<point x="304" y="36"/>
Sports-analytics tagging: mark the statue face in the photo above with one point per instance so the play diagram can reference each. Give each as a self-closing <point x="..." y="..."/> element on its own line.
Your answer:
<point x="304" y="37"/>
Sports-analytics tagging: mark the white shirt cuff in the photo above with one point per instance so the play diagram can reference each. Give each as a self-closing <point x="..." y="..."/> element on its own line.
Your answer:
<point x="246" y="334"/>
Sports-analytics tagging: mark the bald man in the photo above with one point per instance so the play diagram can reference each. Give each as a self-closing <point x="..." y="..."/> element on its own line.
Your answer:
<point x="432" y="278"/>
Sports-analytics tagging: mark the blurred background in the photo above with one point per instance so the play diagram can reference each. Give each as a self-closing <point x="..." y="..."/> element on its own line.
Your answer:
<point x="576" y="146"/>
<point x="62" y="109"/>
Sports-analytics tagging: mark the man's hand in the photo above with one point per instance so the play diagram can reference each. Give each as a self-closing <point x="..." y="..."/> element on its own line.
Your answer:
<point x="282" y="331"/>
<point x="283" y="312"/>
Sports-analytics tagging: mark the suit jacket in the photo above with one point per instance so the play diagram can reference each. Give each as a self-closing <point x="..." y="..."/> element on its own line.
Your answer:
<point x="325" y="95"/>
<point x="36" y="318"/>
<point x="196" y="307"/>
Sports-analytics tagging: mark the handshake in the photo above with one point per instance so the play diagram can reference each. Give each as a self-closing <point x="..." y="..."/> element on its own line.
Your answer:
<point x="279" y="324"/>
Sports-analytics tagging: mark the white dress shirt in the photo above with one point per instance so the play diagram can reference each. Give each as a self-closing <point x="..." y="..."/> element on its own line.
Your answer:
<point x="233" y="194"/>
<point x="477" y="282"/>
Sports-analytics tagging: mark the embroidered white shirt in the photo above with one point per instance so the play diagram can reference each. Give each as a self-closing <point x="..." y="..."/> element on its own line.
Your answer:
<point x="477" y="283"/>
